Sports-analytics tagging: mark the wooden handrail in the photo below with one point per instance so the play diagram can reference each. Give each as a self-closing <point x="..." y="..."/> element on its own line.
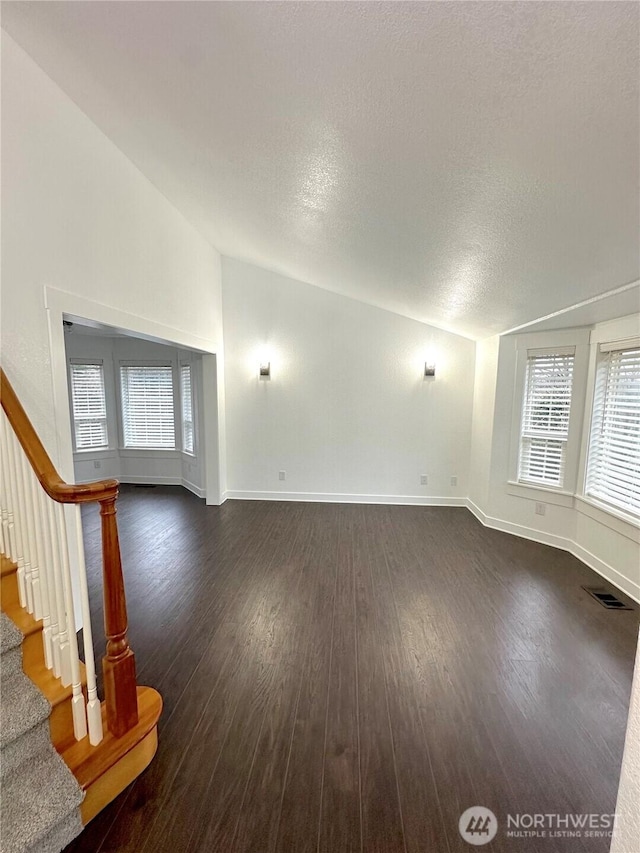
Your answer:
<point x="118" y="664"/>
<point x="39" y="459"/>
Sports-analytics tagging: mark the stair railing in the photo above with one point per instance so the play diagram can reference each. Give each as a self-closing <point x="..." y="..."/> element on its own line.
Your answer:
<point x="33" y="534"/>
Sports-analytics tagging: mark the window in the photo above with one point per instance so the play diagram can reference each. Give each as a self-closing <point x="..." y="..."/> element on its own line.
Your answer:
<point x="613" y="466"/>
<point x="88" y="406"/>
<point x="187" y="408"/>
<point x="147" y="406"/>
<point x="545" y="417"/>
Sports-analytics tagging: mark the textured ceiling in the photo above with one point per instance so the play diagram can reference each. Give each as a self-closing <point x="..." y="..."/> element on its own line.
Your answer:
<point x="474" y="165"/>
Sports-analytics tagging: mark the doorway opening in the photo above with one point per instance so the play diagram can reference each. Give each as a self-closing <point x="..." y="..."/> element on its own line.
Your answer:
<point x="136" y="407"/>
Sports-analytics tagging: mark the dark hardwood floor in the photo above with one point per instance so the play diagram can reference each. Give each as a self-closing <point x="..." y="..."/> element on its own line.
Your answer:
<point x="352" y="678"/>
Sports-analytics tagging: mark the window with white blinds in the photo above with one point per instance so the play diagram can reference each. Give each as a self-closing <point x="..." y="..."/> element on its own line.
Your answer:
<point x="613" y="466"/>
<point x="186" y="398"/>
<point x="88" y="406"/>
<point x="147" y="406"/>
<point x="545" y="417"/>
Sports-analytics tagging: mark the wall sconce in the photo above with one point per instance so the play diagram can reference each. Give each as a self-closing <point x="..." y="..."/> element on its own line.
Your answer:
<point x="429" y="370"/>
<point x="265" y="370"/>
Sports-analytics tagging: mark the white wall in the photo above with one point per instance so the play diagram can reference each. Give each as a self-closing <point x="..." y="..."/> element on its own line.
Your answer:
<point x="347" y="411"/>
<point x="79" y="218"/>
<point x="484" y="399"/>
<point x="136" y="465"/>
<point x="604" y="541"/>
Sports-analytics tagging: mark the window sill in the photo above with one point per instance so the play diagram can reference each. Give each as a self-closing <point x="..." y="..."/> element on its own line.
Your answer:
<point x="559" y="497"/>
<point x="617" y="519"/>
<point x="95" y="451"/>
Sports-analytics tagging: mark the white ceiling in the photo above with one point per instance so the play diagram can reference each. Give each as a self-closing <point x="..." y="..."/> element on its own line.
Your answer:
<point x="474" y="165"/>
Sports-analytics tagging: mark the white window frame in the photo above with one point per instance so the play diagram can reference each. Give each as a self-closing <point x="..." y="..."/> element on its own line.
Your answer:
<point x="192" y="419"/>
<point x="531" y="433"/>
<point x="147" y="363"/>
<point x="89" y="362"/>
<point x="522" y="343"/>
<point x="615" y="332"/>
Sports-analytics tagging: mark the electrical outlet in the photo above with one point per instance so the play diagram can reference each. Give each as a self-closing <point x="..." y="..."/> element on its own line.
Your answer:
<point x="423" y="479"/>
<point x="454" y="481"/>
<point x="541" y="509"/>
<point x="282" y="475"/>
<point x="97" y="463"/>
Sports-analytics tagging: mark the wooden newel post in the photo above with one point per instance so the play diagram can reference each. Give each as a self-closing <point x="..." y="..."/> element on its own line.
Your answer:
<point x="118" y="664"/>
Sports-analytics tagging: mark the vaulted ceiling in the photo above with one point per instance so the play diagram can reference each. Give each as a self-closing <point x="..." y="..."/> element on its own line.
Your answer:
<point x="474" y="165"/>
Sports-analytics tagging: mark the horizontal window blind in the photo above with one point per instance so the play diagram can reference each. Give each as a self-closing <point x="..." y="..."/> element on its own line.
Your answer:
<point x="187" y="408"/>
<point x="88" y="406"/>
<point x="545" y="417"/>
<point x="613" y="467"/>
<point x="147" y="406"/>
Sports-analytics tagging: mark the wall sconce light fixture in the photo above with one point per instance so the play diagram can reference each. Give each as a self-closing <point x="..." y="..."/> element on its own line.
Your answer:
<point x="429" y="370"/>
<point x="265" y="370"/>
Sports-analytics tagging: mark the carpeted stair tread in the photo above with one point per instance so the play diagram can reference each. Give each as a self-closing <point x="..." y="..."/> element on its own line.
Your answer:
<point x="10" y="636"/>
<point x="24" y="748"/>
<point x="36" y="801"/>
<point x="61" y="835"/>
<point x="22" y="707"/>
<point x="39" y="806"/>
<point x="10" y="663"/>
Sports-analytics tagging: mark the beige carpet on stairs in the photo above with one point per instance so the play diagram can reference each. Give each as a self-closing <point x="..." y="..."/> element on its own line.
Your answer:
<point x="40" y="798"/>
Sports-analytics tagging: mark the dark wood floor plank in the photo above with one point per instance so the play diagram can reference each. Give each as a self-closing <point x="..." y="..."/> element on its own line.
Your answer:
<point x="307" y="624"/>
<point x="243" y="680"/>
<point x="437" y="652"/>
<point x="490" y="737"/>
<point x="351" y="678"/>
<point x="340" y="823"/>
<point x="299" y="807"/>
<point x="467" y="767"/>
<point x="417" y="786"/>
<point x="269" y="634"/>
<point x="382" y="825"/>
<point x="180" y="720"/>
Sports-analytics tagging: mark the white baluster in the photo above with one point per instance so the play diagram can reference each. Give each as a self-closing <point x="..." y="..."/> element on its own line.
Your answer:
<point x="46" y="576"/>
<point x="33" y="579"/>
<point x="69" y="644"/>
<point x="56" y="595"/>
<point x="15" y="523"/>
<point x="23" y="516"/>
<point x="31" y="496"/>
<point x="5" y="546"/>
<point x="7" y="549"/>
<point x="94" y="713"/>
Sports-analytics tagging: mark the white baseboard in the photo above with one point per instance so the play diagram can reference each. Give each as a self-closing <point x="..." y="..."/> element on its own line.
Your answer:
<point x="215" y="501"/>
<point x="154" y="480"/>
<point x="197" y="490"/>
<point x="628" y="586"/>
<point x="328" y="497"/>
<point x="519" y="529"/>
<point x="631" y="588"/>
<point x="479" y="514"/>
